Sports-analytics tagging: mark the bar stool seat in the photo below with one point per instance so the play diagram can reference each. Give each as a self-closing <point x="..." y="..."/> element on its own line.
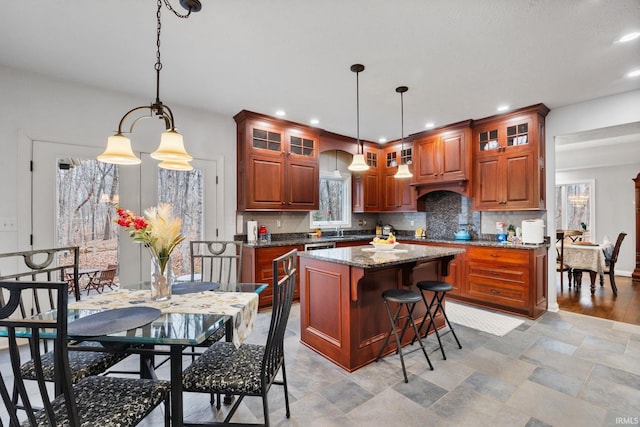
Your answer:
<point x="439" y="289"/>
<point x="407" y="299"/>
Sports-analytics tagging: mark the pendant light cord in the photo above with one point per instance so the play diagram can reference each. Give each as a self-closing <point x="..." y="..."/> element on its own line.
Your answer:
<point x="358" y="111"/>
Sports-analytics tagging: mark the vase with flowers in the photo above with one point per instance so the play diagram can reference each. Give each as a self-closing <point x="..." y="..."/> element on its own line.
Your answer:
<point x="160" y="233"/>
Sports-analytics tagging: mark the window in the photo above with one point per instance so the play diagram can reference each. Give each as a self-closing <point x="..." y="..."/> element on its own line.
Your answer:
<point x="335" y="202"/>
<point x="575" y="207"/>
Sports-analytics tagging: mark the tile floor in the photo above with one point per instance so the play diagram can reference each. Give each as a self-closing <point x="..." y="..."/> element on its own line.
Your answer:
<point x="564" y="369"/>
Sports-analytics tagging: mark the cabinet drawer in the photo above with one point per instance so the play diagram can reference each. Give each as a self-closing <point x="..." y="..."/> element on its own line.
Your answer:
<point x="499" y="255"/>
<point x="507" y="287"/>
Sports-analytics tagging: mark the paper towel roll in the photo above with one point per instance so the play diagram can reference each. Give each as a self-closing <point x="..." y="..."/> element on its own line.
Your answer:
<point x="252" y="231"/>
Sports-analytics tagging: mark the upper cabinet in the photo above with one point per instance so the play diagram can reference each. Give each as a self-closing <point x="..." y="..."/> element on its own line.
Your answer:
<point x="397" y="195"/>
<point x="443" y="159"/>
<point x="366" y="190"/>
<point x="277" y="164"/>
<point x="509" y="160"/>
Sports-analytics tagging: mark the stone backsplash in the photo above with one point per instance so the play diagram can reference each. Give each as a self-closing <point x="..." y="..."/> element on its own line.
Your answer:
<point x="440" y="213"/>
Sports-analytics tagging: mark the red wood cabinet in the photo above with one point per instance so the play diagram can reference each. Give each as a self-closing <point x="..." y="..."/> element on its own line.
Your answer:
<point x="397" y="193"/>
<point x="507" y="279"/>
<point x="366" y="192"/>
<point x="509" y="160"/>
<point x="257" y="267"/>
<point x="277" y="164"/>
<point x="443" y="155"/>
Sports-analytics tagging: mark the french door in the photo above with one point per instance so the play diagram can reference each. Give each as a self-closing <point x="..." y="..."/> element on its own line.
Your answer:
<point x="73" y="198"/>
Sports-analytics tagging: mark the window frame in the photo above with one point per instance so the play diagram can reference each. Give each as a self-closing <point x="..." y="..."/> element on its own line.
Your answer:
<point x="346" y="203"/>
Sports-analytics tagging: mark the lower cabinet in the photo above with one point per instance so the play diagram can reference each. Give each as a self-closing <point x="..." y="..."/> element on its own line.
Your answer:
<point x="506" y="279"/>
<point x="257" y="267"/>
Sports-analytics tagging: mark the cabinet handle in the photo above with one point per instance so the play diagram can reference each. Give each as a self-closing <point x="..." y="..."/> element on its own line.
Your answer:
<point x="495" y="255"/>
<point x="494" y="291"/>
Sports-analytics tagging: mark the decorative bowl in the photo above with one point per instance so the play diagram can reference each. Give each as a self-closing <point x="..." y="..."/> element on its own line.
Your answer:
<point x="384" y="246"/>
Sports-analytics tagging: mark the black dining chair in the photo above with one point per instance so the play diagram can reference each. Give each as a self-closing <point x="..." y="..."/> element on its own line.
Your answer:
<point x="251" y="369"/>
<point x="49" y="265"/>
<point x="92" y="401"/>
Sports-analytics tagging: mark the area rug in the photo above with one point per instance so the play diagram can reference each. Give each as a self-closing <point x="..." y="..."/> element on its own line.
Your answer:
<point x="482" y="320"/>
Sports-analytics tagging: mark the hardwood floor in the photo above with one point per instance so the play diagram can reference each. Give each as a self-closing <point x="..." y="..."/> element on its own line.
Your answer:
<point x="625" y="307"/>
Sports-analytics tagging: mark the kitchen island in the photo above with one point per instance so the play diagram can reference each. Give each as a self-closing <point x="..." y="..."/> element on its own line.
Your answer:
<point x="342" y="314"/>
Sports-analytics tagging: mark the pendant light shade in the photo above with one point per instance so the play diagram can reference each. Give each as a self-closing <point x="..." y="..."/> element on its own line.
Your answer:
<point x="171" y="147"/>
<point x="119" y="151"/>
<point x="175" y="165"/>
<point x="358" y="163"/>
<point x="171" y="150"/>
<point x="403" y="169"/>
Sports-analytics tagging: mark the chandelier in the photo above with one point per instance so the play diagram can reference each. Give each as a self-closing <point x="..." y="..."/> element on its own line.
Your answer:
<point x="171" y="151"/>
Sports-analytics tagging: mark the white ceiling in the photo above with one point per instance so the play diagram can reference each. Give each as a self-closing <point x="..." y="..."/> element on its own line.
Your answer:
<point x="459" y="58"/>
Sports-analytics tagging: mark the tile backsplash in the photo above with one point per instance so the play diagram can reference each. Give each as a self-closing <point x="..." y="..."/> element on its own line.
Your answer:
<point x="440" y="213"/>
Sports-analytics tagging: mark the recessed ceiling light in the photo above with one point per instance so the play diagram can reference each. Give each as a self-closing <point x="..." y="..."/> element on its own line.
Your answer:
<point x="280" y="113"/>
<point x="628" y="37"/>
<point x="429" y="125"/>
<point x="634" y="73"/>
<point x="382" y="139"/>
<point x="503" y="108"/>
<point x="314" y="121"/>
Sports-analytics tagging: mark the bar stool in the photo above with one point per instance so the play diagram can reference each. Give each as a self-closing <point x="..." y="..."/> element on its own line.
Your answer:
<point x="408" y="299"/>
<point x="439" y="290"/>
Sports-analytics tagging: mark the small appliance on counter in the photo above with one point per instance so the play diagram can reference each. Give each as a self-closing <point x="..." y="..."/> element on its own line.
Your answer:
<point x="462" y="235"/>
<point x="532" y="231"/>
<point x="387" y="229"/>
<point x="252" y="231"/>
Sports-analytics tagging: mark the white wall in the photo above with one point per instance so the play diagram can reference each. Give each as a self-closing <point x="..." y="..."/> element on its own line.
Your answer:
<point x="595" y="114"/>
<point x="36" y="107"/>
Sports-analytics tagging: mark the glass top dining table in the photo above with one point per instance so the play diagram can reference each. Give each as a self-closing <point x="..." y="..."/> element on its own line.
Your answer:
<point x="184" y="320"/>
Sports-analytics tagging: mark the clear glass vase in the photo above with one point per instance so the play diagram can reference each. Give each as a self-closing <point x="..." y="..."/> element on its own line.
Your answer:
<point x="161" y="281"/>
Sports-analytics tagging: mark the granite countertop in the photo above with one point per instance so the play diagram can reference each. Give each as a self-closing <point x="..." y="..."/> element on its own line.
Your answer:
<point x="402" y="239"/>
<point x="368" y="257"/>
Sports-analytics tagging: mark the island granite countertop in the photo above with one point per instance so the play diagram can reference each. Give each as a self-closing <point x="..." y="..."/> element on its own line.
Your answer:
<point x="368" y="257"/>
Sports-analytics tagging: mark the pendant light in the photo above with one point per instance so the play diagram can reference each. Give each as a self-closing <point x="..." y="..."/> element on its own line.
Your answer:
<point x="171" y="151"/>
<point x="358" y="164"/>
<point x="336" y="172"/>
<point x="403" y="169"/>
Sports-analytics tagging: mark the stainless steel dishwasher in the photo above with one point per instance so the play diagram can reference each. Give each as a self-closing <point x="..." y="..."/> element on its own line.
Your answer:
<point x="319" y="245"/>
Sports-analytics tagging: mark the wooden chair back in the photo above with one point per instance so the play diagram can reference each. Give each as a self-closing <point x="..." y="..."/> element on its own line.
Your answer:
<point x="616" y="250"/>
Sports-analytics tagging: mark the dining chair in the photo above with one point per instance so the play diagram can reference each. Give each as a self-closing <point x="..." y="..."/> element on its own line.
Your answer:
<point x="251" y="369"/>
<point x="103" y="278"/>
<point x="560" y="266"/>
<point x="610" y="264"/>
<point x="216" y="261"/>
<point x="50" y="265"/>
<point x="94" y="400"/>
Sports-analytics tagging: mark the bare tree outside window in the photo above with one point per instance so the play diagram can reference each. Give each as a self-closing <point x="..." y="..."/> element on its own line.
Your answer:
<point x="88" y="191"/>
